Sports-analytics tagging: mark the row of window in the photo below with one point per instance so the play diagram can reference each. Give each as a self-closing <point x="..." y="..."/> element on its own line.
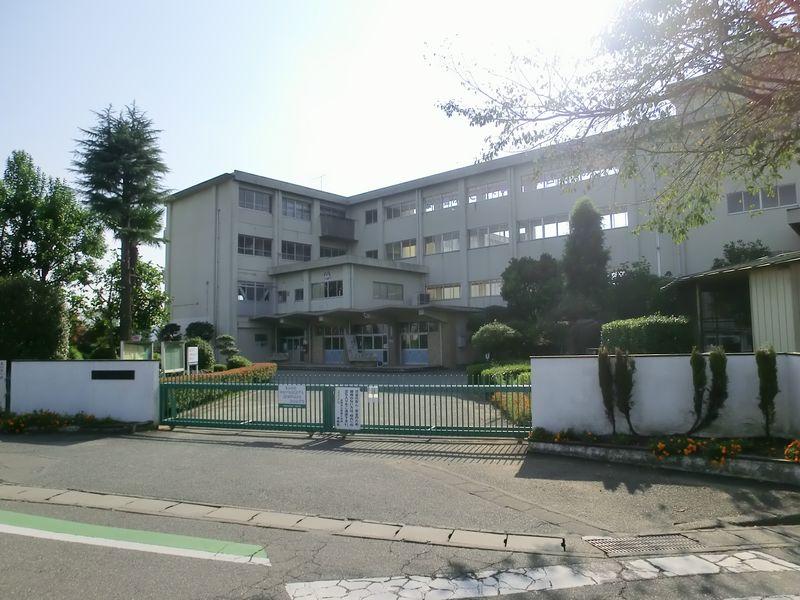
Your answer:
<point x="477" y="289"/>
<point x="412" y="336"/>
<point x="292" y="207"/>
<point x="782" y="195"/>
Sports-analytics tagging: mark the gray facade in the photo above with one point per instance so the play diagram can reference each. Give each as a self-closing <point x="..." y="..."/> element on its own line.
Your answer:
<point x="303" y="275"/>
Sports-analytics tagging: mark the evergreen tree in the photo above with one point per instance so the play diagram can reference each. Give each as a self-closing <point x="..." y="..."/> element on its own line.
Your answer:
<point x="120" y="169"/>
<point x="585" y="260"/>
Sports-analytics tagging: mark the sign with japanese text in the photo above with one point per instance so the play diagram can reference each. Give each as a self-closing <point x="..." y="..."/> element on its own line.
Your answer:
<point x="291" y="395"/>
<point x="347" y="415"/>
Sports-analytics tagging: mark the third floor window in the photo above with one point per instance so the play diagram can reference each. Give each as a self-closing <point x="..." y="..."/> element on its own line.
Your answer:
<point x="489" y="235"/>
<point x="781" y="195"/>
<point x="401" y="250"/>
<point x="295" y="251"/>
<point x="487" y="191"/>
<point x="401" y="209"/>
<point x="255" y="200"/>
<point x="297" y="209"/>
<point x="442" y="242"/>
<point x="254" y="245"/>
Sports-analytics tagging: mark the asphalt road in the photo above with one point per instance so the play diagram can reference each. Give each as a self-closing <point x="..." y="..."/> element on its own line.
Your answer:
<point x="479" y="484"/>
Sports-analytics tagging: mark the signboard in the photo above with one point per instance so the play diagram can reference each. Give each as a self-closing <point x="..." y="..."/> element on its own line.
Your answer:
<point x="173" y="357"/>
<point x="136" y="350"/>
<point x="291" y="395"/>
<point x="347" y="415"/>
<point x="192" y="356"/>
<point x="372" y="394"/>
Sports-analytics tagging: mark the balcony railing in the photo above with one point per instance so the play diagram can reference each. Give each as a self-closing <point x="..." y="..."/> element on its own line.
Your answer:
<point x="339" y="228"/>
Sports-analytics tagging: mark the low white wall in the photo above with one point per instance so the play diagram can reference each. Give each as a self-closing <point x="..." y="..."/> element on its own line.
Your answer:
<point x="566" y="394"/>
<point x="68" y="387"/>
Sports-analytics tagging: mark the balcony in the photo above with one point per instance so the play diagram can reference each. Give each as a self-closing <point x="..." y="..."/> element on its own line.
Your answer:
<point x="338" y="228"/>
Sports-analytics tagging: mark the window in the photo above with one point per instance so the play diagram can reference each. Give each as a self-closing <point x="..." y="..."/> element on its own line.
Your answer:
<point x="556" y="226"/>
<point x="331" y="251"/>
<point x="401" y="209"/>
<point x="440" y="201"/>
<point x="371" y="336"/>
<point x="255" y="200"/>
<point x="530" y="182"/>
<point x="448" y="291"/>
<point x="489" y="235"/>
<point x="327" y="289"/>
<point x="333" y="338"/>
<point x="283" y="295"/>
<point x="532" y="229"/>
<point x="781" y="195"/>
<point x="415" y="335"/>
<point x="261" y="339"/>
<point x="401" y="250"/>
<point x="614" y="220"/>
<point x="299" y="293"/>
<point x="387" y="291"/>
<point x="371" y="216"/>
<point x="254" y="245"/>
<point x="487" y="191"/>
<point x="442" y="242"/>
<point x="297" y="209"/>
<point x="331" y="211"/>
<point x="253" y="291"/>
<point x="372" y="254"/>
<point x="295" y="251"/>
<point x="482" y="289"/>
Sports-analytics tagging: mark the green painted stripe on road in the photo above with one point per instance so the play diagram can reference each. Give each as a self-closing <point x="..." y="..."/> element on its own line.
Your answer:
<point x="154" y="538"/>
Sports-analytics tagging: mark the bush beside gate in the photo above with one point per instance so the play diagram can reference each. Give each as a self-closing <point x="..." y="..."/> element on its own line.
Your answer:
<point x="188" y="398"/>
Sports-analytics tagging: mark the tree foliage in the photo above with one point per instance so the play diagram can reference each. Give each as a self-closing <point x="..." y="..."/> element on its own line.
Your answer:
<point x="635" y="291"/>
<point x="120" y="169"/>
<point x="532" y="288"/>
<point x="695" y="92"/>
<point x="767" y="364"/>
<point x="33" y="319"/>
<point x="738" y="252"/>
<point x="45" y="233"/>
<point x="498" y="340"/>
<point x="201" y="329"/>
<point x="585" y="261"/>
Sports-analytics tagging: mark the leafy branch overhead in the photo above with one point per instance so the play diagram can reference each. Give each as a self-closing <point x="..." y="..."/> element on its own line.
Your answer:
<point x="695" y="92"/>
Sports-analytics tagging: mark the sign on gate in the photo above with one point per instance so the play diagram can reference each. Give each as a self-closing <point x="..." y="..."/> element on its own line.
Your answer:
<point x="372" y="394"/>
<point x="291" y="395"/>
<point x="347" y="415"/>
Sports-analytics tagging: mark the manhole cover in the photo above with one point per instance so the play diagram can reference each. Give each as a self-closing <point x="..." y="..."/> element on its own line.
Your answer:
<point x="644" y="544"/>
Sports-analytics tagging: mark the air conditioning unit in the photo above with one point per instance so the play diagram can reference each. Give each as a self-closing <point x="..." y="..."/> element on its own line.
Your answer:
<point x="424" y="299"/>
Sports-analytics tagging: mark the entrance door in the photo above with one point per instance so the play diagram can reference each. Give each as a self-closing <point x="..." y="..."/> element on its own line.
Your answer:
<point x="292" y="343"/>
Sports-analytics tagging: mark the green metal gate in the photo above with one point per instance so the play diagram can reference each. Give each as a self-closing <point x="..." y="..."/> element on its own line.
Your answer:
<point x="411" y="409"/>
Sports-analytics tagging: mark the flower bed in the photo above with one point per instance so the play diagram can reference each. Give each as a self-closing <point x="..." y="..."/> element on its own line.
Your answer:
<point x="516" y="406"/>
<point x="46" y="421"/>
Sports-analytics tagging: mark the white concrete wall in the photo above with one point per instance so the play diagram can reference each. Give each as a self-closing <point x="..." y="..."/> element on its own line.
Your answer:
<point x="566" y="394"/>
<point x="67" y="387"/>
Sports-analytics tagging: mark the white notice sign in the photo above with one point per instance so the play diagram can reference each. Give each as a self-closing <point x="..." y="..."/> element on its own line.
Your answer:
<point x="348" y="408"/>
<point x="372" y="394"/>
<point x="192" y="357"/>
<point x="292" y="395"/>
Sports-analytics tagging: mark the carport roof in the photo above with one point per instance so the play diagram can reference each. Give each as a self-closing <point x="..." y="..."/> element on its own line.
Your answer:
<point x="767" y="261"/>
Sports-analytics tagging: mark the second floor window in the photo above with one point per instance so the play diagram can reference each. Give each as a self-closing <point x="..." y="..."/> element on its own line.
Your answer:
<point x="282" y="296"/>
<point x="253" y="291"/>
<point x="442" y="242"/>
<point x="327" y="289"/>
<point x="614" y="220"/>
<point x="255" y="200"/>
<point x="297" y="209"/>
<point x="401" y="209"/>
<point x="489" y="235"/>
<point x="299" y="293"/>
<point x="387" y="291"/>
<point x="401" y="250"/>
<point x="254" y="245"/>
<point x="449" y="291"/>
<point x="295" y="251"/>
<point x="371" y="216"/>
<point x="558" y="225"/>
<point x="483" y="289"/>
<point x="331" y="251"/>
<point x="372" y="254"/>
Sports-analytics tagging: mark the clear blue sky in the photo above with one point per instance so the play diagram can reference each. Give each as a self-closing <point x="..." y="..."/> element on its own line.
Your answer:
<point x="294" y="90"/>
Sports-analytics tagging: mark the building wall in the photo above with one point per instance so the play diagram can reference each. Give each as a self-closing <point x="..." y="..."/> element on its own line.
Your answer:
<point x="775" y="307"/>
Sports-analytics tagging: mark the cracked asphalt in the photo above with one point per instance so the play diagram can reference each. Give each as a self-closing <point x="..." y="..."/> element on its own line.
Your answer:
<point x="483" y="484"/>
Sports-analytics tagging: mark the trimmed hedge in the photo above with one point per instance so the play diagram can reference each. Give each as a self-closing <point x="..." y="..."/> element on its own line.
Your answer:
<point x="499" y="374"/>
<point x="189" y="397"/>
<point x="653" y="334"/>
<point x="237" y="361"/>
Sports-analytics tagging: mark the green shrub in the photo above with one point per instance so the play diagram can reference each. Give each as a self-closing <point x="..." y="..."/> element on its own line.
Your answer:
<point x="767" y="364"/>
<point x="218" y="367"/>
<point x="238" y="361"/>
<point x="653" y="334"/>
<point x="474" y="372"/>
<point x="184" y="398"/>
<point x="171" y="332"/>
<point x="606" y="377"/>
<point x="497" y="339"/>
<point x="103" y="352"/>
<point x="201" y="329"/>
<point x="226" y="345"/>
<point x="505" y="374"/>
<point x="33" y="320"/>
<point x="74" y="354"/>
<point x="718" y="391"/>
<point x="699" y="381"/>
<point x="205" y="353"/>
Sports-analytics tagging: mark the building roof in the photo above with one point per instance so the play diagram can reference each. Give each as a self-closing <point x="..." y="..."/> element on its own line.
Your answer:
<point x="475" y="169"/>
<point x="760" y="263"/>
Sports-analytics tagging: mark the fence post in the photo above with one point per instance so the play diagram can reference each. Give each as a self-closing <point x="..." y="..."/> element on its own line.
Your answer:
<point x="328" y="407"/>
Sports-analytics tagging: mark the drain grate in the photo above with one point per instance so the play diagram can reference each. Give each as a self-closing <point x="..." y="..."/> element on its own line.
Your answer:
<point x="644" y="544"/>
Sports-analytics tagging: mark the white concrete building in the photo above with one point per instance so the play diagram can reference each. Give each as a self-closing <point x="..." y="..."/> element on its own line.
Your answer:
<point x="389" y="276"/>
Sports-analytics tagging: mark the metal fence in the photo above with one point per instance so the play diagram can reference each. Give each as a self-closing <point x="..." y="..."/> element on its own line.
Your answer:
<point x="430" y="405"/>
